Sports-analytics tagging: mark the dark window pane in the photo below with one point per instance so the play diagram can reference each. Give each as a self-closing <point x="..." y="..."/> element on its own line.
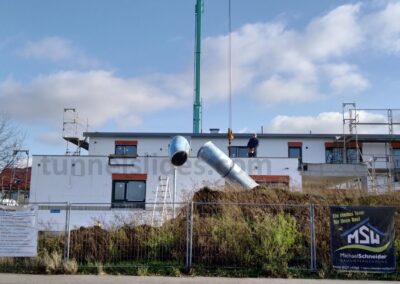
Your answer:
<point x="130" y="150"/>
<point x="242" y="152"/>
<point x="351" y="156"/>
<point x="328" y="156"/>
<point x="136" y="191"/>
<point x="294" y="152"/>
<point x="119" y="150"/>
<point x="334" y="155"/>
<point x="396" y="158"/>
<point x="119" y="191"/>
<point x="233" y="152"/>
<point x="238" y="152"/>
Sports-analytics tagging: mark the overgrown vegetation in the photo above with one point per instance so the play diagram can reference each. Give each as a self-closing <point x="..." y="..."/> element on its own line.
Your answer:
<point x="263" y="232"/>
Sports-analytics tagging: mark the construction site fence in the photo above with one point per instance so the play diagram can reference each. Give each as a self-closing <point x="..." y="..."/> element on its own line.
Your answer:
<point x="204" y="234"/>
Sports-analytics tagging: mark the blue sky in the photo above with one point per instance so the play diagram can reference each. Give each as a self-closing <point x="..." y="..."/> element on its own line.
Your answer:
<point x="128" y="65"/>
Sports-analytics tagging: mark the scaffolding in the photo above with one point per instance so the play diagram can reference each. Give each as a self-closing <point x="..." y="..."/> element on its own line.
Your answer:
<point x="73" y="128"/>
<point x="387" y="123"/>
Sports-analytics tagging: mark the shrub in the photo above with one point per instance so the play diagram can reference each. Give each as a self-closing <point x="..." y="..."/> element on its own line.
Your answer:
<point x="277" y="238"/>
<point x="143" y="271"/>
<point x="50" y="242"/>
<point x="70" y="267"/>
<point x="231" y="236"/>
<point x="51" y="263"/>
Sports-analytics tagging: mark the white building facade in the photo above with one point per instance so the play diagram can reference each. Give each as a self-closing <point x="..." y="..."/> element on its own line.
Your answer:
<point x="121" y="167"/>
<point x="130" y="170"/>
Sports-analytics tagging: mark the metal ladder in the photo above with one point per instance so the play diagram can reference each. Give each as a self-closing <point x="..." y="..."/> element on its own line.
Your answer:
<point x="163" y="197"/>
<point x="371" y="171"/>
<point x="389" y="166"/>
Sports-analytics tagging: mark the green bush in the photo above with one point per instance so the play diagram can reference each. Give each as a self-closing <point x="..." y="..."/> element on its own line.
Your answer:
<point x="276" y="239"/>
<point x="242" y="237"/>
<point x="232" y="236"/>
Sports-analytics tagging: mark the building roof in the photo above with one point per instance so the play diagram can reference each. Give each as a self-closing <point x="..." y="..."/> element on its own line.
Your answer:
<point x="361" y="137"/>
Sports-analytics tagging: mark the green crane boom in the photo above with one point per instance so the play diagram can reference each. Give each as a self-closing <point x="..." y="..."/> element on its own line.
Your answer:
<point x="197" y="100"/>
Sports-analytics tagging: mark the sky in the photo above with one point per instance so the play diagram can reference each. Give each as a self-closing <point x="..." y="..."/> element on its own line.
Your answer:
<point x="127" y="65"/>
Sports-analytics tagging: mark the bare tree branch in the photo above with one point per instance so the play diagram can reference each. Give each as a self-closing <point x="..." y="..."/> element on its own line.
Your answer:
<point x="10" y="139"/>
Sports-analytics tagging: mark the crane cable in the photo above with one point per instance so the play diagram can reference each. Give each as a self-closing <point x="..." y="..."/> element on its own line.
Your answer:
<point x="230" y="132"/>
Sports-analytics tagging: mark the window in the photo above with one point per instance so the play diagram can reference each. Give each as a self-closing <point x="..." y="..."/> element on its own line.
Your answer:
<point x="126" y="147"/>
<point x="352" y="156"/>
<point x="294" y="151"/>
<point x="129" y="190"/>
<point x="396" y="158"/>
<point x="334" y="155"/>
<point x="125" y="150"/>
<point x="129" y="194"/>
<point x="238" y="152"/>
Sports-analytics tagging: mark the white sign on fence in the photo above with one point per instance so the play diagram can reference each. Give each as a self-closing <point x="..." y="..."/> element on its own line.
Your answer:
<point x="18" y="231"/>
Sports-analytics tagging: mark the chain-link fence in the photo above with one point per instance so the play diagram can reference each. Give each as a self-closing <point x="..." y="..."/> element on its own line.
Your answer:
<point x="226" y="235"/>
<point x="265" y="237"/>
<point x="245" y="235"/>
<point x="127" y="234"/>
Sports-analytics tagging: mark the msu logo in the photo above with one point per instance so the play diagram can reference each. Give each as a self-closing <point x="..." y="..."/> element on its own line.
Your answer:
<point x="364" y="236"/>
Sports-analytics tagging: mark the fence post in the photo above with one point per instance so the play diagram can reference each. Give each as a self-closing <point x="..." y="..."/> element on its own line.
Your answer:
<point x="67" y="237"/>
<point x="189" y="235"/>
<point x="313" y="247"/>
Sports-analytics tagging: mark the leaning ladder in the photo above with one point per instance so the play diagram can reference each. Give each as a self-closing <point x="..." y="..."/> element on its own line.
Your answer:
<point x="163" y="197"/>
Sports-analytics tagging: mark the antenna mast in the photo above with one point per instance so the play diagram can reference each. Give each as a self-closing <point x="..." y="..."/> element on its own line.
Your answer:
<point x="197" y="100"/>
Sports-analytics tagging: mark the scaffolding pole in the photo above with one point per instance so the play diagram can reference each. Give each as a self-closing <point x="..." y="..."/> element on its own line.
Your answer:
<point x="353" y="121"/>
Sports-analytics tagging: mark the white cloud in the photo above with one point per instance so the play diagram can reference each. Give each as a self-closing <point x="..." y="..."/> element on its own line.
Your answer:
<point x="334" y="34"/>
<point x="328" y="122"/>
<point x="271" y="62"/>
<point x="279" y="90"/>
<point x="99" y="95"/>
<point x="129" y="121"/>
<point x="57" y="49"/>
<point x="383" y="27"/>
<point x="50" y="138"/>
<point x="277" y="64"/>
<point x="345" y="78"/>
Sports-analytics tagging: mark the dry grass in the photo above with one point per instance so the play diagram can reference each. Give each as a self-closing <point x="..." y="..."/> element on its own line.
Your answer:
<point x="232" y="227"/>
<point x="317" y="196"/>
<point x="321" y="198"/>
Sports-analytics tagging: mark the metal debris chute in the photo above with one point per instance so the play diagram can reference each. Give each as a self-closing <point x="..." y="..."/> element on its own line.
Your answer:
<point x="222" y="164"/>
<point x="179" y="149"/>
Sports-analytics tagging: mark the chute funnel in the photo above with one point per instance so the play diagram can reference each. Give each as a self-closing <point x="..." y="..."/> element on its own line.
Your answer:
<point x="179" y="150"/>
<point x="222" y="164"/>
